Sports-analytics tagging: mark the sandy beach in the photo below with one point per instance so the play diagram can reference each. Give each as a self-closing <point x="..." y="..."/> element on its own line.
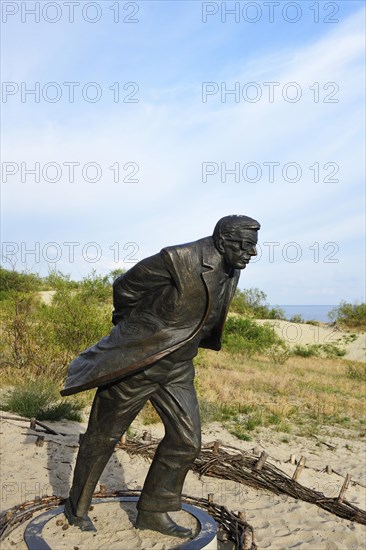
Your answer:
<point x="28" y="471"/>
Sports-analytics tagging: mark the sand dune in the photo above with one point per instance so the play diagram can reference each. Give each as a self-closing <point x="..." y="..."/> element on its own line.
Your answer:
<point x="307" y="334"/>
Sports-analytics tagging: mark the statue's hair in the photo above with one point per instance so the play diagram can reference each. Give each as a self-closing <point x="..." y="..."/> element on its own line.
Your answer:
<point x="226" y="226"/>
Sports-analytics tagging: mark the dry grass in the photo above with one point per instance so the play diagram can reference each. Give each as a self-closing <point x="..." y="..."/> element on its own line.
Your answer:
<point x="300" y="395"/>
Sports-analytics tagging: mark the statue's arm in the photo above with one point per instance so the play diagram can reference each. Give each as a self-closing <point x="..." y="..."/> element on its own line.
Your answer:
<point x="140" y="282"/>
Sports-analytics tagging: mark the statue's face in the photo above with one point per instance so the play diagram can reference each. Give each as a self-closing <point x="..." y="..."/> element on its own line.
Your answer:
<point x="239" y="248"/>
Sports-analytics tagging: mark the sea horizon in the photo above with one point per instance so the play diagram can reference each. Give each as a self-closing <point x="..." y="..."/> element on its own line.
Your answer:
<point x="315" y="312"/>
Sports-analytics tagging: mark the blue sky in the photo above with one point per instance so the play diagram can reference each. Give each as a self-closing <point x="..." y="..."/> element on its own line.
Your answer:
<point x="180" y="138"/>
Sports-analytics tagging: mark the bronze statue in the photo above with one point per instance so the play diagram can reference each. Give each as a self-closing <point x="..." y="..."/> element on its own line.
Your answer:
<point x="165" y="308"/>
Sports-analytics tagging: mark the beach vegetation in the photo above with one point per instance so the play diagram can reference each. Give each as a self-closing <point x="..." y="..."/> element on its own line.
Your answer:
<point x="240" y="431"/>
<point x="278" y="353"/>
<point x="252" y="303"/>
<point x="331" y="350"/>
<point x="309" y="350"/>
<point x="349" y="315"/>
<point x="245" y="336"/>
<point x="319" y="350"/>
<point x="300" y="396"/>
<point x="12" y="281"/>
<point x="41" y="400"/>
<point x="40" y="340"/>
<point x="356" y="371"/>
<point x="296" y="318"/>
<point x="255" y="381"/>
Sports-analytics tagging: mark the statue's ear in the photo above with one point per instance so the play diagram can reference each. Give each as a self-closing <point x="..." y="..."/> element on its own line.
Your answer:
<point x="221" y="245"/>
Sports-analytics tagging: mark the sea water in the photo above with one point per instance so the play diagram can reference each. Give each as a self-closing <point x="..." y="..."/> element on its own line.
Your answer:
<point x="308" y="312"/>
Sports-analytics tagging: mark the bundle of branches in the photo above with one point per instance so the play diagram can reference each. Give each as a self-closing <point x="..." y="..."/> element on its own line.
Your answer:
<point x="235" y="465"/>
<point x="14" y="517"/>
<point x="238" y="530"/>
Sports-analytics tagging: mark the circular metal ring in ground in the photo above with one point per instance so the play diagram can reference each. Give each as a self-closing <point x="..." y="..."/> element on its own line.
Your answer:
<point x="33" y="533"/>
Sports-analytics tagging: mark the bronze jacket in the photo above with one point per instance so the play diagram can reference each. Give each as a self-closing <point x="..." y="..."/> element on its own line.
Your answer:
<point x="161" y="304"/>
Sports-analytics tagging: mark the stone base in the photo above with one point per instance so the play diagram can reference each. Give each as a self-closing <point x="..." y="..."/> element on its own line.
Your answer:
<point x="114" y="518"/>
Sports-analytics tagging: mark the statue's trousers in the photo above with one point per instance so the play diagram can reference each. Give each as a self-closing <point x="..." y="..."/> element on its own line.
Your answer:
<point x="169" y="386"/>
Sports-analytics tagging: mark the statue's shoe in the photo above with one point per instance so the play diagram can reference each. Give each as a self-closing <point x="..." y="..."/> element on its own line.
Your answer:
<point x="84" y="523"/>
<point x="162" y="522"/>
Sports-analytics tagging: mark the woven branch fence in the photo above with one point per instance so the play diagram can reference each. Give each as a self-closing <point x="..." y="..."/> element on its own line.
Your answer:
<point x="235" y="465"/>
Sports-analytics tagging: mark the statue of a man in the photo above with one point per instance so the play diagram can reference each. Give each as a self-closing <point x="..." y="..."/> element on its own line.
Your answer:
<point x="165" y="308"/>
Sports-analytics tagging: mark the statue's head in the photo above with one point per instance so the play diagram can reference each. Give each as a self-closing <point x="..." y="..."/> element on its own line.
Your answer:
<point x="235" y="237"/>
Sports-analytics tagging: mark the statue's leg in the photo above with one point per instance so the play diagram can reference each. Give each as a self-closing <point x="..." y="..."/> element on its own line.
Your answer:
<point x="94" y="454"/>
<point x="176" y="402"/>
<point x="114" y="408"/>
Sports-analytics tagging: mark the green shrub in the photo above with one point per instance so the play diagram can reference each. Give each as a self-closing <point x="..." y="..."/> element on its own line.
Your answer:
<point x="252" y="303"/>
<point x="245" y="336"/>
<point x="12" y="281"/>
<point x="356" y="372"/>
<point x="79" y="318"/>
<point x="306" y="351"/>
<point x="296" y="319"/>
<point x="331" y="350"/>
<point x="240" y="432"/>
<point x="217" y="412"/>
<point x="28" y="348"/>
<point x="57" y="280"/>
<point x="40" y="339"/>
<point x="254" y="422"/>
<point x="320" y="350"/>
<point x="278" y="354"/>
<point x="97" y="288"/>
<point x="41" y="400"/>
<point x="349" y="315"/>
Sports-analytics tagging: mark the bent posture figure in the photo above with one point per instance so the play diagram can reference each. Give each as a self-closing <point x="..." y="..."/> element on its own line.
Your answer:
<point x="166" y="307"/>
